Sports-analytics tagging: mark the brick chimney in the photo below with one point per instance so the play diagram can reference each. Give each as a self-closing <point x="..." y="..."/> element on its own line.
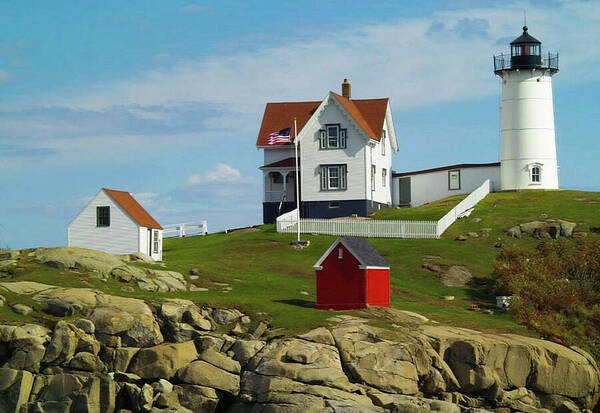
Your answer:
<point x="346" y="92"/>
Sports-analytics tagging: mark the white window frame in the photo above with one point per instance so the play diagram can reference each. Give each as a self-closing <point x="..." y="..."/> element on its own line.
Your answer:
<point x="383" y="177"/>
<point x="383" y="142"/>
<point x="326" y="178"/>
<point x="329" y="128"/>
<point x="340" y="139"/>
<point x="539" y="174"/>
<point x="450" y="188"/>
<point x="155" y="242"/>
<point x="373" y="173"/>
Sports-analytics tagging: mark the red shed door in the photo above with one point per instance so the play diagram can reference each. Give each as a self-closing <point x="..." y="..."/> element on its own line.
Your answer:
<point x="378" y="287"/>
<point x="340" y="284"/>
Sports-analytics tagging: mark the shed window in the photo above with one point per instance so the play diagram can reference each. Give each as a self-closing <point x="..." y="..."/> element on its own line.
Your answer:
<point x="340" y="253"/>
<point x="454" y="179"/>
<point x="155" y="241"/>
<point x="103" y="216"/>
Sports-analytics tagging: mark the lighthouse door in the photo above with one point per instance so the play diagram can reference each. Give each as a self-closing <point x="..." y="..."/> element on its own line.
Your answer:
<point x="404" y="191"/>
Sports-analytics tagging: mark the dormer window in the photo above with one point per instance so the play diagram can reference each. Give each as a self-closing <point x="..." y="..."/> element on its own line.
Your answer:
<point x="332" y="137"/>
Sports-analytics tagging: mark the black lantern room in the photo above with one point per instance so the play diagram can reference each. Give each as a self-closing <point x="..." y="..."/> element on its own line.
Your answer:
<point x="526" y="53"/>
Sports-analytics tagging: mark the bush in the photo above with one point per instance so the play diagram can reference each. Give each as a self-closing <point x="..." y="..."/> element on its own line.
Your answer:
<point x="556" y="289"/>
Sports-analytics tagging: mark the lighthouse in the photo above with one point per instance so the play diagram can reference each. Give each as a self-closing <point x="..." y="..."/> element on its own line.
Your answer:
<point x="528" y="143"/>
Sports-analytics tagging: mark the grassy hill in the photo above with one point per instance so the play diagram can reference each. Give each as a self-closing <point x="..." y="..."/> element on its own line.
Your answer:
<point x="267" y="278"/>
<point x="266" y="274"/>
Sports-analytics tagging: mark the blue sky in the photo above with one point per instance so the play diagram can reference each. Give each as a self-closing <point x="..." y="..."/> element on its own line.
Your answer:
<point x="164" y="99"/>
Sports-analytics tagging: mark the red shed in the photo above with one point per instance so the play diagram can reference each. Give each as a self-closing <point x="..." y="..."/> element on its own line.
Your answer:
<point x="352" y="275"/>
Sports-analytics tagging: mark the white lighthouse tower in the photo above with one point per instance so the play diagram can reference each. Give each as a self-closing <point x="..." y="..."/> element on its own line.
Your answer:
<point x="528" y="148"/>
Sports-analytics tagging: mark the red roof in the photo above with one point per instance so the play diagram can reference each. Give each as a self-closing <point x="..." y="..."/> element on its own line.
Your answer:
<point x="369" y="114"/>
<point x="279" y="116"/>
<point x="447" y="168"/>
<point x="284" y="163"/>
<point x="133" y="208"/>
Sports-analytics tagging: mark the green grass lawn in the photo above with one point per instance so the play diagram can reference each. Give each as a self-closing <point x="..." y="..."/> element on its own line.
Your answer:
<point x="267" y="275"/>
<point x="428" y="212"/>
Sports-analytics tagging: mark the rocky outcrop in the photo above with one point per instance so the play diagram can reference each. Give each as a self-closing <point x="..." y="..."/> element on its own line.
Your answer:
<point x="104" y="266"/>
<point x="546" y="229"/>
<point x="126" y="355"/>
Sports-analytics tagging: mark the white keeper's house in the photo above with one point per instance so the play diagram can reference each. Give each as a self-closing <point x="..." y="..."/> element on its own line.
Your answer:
<point x="114" y="222"/>
<point x="346" y="146"/>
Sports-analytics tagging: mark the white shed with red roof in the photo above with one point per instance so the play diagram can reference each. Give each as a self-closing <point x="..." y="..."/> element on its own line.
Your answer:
<point x="114" y="222"/>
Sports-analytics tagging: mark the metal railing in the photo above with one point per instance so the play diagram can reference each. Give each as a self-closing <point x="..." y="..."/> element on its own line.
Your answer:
<point x="187" y="229"/>
<point x="288" y="223"/>
<point x="504" y="61"/>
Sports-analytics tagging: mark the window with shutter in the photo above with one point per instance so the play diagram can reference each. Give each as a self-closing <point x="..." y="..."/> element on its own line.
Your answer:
<point x="333" y="177"/>
<point x="322" y="139"/>
<point x="343" y="138"/>
<point x="323" y="177"/>
<point x="383" y="177"/>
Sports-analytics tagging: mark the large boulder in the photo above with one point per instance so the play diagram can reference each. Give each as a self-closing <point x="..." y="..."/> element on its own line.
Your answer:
<point x="105" y="265"/>
<point x="24" y="346"/>
<point x="205" y="374"/>
<point x="302" y="361"/>
<point x="372" y="358"/>
<point x="15" y="388"/>
<point x="278" y="393"/>
<point x="482" y="362"/>
<point x="162" y="361"/>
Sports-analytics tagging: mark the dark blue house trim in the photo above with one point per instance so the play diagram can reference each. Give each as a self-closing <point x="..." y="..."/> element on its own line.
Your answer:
<point x="322" y="209"/>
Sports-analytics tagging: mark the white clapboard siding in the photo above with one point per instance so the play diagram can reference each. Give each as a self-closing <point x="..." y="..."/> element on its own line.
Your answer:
<point x="121" y="237"/>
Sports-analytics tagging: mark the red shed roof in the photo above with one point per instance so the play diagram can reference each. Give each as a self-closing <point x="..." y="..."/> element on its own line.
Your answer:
<point x="369" y="114"/>
<point x="133" y="208"/>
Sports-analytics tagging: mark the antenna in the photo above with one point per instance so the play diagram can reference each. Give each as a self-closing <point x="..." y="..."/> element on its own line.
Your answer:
<point x="524" y="17"/>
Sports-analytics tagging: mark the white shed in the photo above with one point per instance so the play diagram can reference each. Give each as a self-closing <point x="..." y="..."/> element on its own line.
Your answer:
<point x="114" y="222"/>
<point x="421" y="187"/>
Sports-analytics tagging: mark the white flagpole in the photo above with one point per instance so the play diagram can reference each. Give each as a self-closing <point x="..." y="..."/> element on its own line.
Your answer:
<point x="297" y="178"/>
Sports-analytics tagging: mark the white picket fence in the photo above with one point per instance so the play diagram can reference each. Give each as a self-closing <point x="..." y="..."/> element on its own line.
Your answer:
<point x="462" y="207"/>
<point x="287" y="223"/>
<point x="187" y="229"/>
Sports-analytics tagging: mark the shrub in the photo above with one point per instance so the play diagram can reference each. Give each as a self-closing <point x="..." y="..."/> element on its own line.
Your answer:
<point x="556" y="289"/>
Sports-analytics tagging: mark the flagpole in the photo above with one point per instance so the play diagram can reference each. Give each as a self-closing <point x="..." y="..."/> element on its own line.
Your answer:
<point x="297" y="179"/>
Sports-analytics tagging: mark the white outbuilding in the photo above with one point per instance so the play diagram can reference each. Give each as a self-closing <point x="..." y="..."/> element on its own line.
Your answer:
<point x="114" y="222"/>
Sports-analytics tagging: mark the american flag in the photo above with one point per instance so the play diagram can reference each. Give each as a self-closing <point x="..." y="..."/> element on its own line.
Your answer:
<point x="279" y="138"/>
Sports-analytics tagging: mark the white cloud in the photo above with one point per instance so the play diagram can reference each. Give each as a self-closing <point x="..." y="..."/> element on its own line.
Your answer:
<point x="221" y="173"/>
<point x="194" y="8"/>
<point x="414" y="61"/>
